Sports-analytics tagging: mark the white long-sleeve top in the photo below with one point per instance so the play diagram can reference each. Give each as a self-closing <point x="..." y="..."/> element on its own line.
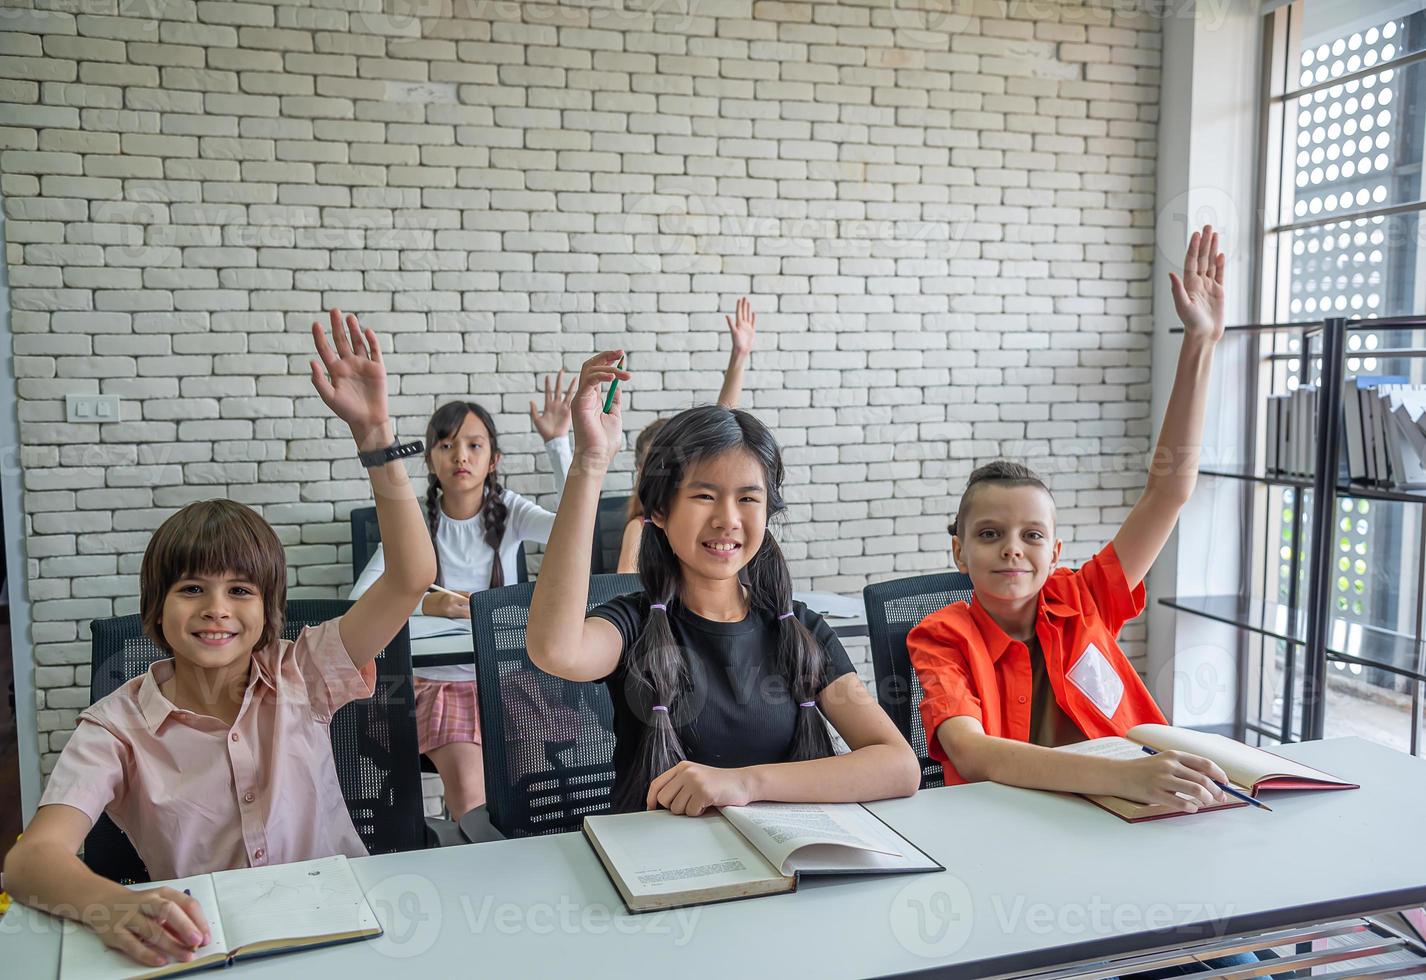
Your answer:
<point x="466" y="559"/>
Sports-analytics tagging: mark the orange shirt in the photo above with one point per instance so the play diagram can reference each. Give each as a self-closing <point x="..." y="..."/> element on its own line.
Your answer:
<point x="967" y="664"/>
<point x="195" y="795"/>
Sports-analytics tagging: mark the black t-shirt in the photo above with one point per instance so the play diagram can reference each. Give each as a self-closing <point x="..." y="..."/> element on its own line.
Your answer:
<point x="738" y="711"/>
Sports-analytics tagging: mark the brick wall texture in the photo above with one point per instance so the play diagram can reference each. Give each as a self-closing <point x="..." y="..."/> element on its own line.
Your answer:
<point x="944" y="218"/>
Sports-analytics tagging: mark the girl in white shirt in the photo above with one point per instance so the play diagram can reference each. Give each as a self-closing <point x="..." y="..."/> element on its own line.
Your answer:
<point x="478" y="528"/>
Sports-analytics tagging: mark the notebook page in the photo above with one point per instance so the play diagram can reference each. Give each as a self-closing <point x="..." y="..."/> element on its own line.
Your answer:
<point x="779" y="829"/>
<point x="84" y="956"/>
<point x="423" y="627"/>
<point x="660" y="853"/>
<point x="1245" y="765"/>
<point x="289" y="902"/>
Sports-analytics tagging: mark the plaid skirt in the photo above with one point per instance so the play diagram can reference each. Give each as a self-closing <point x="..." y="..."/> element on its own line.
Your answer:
<point x="446" y="712"/>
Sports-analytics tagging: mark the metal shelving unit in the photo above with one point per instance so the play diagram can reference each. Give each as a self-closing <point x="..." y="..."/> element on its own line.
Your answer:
<point x="1306" y="622"/>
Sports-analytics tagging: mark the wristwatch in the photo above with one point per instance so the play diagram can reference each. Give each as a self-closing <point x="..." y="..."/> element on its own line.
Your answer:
<point x="397" y="450"/>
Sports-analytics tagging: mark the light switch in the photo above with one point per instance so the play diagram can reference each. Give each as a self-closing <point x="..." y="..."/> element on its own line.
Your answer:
<point x="91" y="408"/>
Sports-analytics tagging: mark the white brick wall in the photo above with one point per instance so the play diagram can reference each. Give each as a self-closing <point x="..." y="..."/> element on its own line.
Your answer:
<point x="944" y="218"/>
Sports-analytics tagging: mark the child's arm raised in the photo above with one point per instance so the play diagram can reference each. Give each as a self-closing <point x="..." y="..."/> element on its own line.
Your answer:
<point x="153" y="927"/>
<point x="352" y="382"/>
<point x="1173" y="469"/>
<point x="559" y="639"/>
<point x="743" y="329"/>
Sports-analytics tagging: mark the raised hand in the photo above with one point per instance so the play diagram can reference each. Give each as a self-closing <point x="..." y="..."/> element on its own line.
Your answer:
<point x="744" y="328"/>
<point x="1198" y="296"/>
<point x="553" y="420"/>
<point x="351" y="379"/>
<point x="598" y="435"/>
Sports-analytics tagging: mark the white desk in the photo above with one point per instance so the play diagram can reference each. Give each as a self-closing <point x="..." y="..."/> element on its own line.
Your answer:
<point x="1034" y="879"/>
<point x="458" y="648"/>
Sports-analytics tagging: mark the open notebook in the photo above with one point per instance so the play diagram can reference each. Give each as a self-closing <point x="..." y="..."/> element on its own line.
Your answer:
<point x="659" y="860"/>
<point x="1249" y="770"/>
<point x="252" y="911"/>
<point x="425" y="627"/>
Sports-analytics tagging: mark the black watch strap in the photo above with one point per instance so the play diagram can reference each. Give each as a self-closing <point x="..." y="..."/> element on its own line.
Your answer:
<point x="397" y="450"/>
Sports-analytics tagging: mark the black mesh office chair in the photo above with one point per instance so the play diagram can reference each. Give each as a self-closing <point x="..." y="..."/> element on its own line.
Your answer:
<point x="366" y="536"/>
<point x="373" y="740"/>
<point x="548" y="744"/>
<point x="609" y="525"/>
<point x="892" y="610"/>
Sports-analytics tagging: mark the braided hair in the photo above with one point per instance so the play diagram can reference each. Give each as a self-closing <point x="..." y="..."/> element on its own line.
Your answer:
<point x="656" y="661"/>
<point x="445" y="423"/>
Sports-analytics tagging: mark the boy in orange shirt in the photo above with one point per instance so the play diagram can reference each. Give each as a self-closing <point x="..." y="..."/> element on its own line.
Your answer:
<point x="1031" y="662"/>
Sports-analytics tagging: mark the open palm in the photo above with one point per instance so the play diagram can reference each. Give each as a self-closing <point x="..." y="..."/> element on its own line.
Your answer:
<point x="744" y="328"/>
<point x="1198" y="296"/>
<point x="351" y="377"/>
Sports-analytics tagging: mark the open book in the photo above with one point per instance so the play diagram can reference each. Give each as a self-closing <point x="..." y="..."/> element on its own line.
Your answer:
<point x="425" y="627"/>
<point x="1249" y="770"/>
<point x="659" y="860"/>
<point x="252" y="912"/>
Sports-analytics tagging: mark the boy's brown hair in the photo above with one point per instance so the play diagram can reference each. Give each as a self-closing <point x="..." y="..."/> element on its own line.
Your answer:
<point x="1000" y="473"/>
<point x="213" y="537"/>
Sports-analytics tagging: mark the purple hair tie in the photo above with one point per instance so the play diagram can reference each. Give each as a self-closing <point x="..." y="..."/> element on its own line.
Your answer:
<point x="786" y="615"/>
<point x="648" y="520"/>
<point x="661" y="707"/>
<point x="658" y="605"/>
<point x="808" y="704"/>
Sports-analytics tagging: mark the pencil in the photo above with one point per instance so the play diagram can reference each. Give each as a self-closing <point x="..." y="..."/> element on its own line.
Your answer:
<point x="1225" y="787"/>
<point x="609" y="401"/>
<point x="437" y="588"/>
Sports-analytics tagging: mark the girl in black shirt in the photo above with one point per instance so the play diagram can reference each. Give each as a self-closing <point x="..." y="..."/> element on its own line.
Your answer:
<point x="716" y="675"/>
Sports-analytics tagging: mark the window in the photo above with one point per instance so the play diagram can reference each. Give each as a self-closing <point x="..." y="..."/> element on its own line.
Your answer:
<point x="1342" y="237"/>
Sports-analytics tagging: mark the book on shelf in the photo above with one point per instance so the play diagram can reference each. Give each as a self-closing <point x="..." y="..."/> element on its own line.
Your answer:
<point x="1384" y="428"/>
<point x="252" y="912"/>
<point x="658" y="860"/>
<point x="1250" y="770"/>
<point x="1292" y="432"/>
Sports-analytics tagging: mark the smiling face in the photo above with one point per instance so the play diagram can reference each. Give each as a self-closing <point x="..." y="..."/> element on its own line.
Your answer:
<point x="213" y="621"/>
<point x="717" y="516"/>
<point x="1007" y="544"/>
<point x="462" y="459"/>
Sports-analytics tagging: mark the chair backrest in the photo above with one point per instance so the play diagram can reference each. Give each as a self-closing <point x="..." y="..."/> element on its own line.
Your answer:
<point x="609" y="525"/>
<point x="374" y="740"/>
<point x="892" y="610"/>
<point x="366" y="535"/>
<point x="548" y="744"/>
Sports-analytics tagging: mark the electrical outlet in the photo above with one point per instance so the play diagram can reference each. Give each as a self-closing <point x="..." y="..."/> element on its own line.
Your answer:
<point x="91" y="408"/>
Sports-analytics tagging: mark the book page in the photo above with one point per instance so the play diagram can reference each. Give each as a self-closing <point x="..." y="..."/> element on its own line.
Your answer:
<point x="288" y="903"/>
<point x="660" y="853"/>
<point x="84" y="956"/>
<point x="422" y="627"/>
<point x="1245" y="765"/>
<point x="1113" y="747"/>
<point x="779" y="829"/>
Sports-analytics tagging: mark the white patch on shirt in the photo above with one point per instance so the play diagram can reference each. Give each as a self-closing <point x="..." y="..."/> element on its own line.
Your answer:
<point x="1097" y="680"/>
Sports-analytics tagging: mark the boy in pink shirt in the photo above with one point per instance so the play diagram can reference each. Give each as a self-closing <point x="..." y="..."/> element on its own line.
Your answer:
<point x="220" y="757"/>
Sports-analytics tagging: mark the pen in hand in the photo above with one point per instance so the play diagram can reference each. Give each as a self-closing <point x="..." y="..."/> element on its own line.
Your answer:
<point x="1223" y="786"/>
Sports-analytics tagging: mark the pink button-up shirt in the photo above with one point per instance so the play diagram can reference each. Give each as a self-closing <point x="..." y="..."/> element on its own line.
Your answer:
<point x="195" y="795"/>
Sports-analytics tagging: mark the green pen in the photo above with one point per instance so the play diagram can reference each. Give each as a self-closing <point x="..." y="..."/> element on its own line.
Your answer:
<point x="609" y="400"/>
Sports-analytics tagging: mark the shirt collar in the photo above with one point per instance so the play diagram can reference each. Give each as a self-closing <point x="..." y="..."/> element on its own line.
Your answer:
<point x="155" y="708"/>
<point x="997" y="641"/>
